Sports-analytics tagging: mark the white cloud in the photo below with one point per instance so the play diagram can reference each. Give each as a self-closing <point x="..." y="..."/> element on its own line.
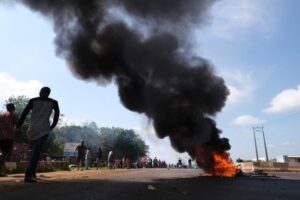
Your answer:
<point x="246" y="120"/>
<point x="9" y="86"/>
<point x="286" y="101"/>
<point x="231" y="17"/>
<point x="236" y="95"/>
<point x="240" y="85"/>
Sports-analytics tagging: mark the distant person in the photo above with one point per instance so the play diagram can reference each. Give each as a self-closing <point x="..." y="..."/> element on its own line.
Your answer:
<point x="143" y="161"/>
<point x="99" y="157"/>
<point x="87" y="158"/>
<point x="48" y="158"/>
<point x="80" y="154"/>
<point x="123" y="162"/>
<point x="135" y="165"/>
<point x="110" y="159"/>
<point x="150" y="165"/>
<point x="155" y="162"/>
<point x="39" y="127"/>
<point x="179" y="163"/>
<point x="190" y="163"/>
<point x="8" y="120"/>
<point x="127" y="163"/>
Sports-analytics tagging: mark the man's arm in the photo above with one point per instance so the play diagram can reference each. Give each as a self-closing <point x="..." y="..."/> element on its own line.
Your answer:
<point x="56" y="115"/>
<point x="24" y="113"/>
<point x="1" y="122"/>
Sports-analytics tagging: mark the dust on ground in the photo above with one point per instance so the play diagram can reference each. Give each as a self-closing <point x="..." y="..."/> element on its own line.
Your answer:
<point x="146" y="184"/>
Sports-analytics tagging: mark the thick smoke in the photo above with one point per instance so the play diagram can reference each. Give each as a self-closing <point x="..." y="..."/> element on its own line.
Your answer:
<point x="192" y="11"/>
<point x="152" y="73"/>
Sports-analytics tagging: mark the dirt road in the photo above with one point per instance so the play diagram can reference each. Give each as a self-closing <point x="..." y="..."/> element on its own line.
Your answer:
<point x="149" y="184"/>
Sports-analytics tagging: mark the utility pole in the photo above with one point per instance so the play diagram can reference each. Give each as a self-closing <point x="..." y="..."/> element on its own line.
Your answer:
<point x="255" y="144"/>
<point x="261" y="129"/>
<point x="267" y="157"/>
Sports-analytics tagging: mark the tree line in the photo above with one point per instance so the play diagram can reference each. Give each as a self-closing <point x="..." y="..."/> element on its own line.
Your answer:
<point x="124" y="142"/>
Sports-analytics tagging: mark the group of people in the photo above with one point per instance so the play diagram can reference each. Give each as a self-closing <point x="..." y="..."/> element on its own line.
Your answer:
<point x="37" y="133"/>
<point x="153" y="163"/>
<point x="118" y="163"/>
<point x="179" y="164"/>
<point x="41" y="109"/>
<point x="143" y="162"/>
<point x="84" y="156"/>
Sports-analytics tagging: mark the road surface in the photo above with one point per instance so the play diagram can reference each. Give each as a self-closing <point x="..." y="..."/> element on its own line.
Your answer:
<point x="150" y="184"/>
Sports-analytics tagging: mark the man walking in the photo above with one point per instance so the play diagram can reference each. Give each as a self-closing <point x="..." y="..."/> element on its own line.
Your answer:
<point x="81" y="149"/>
<point x="87" y="158"/>
<point x="190" y="163"/>
<point x="110" y="159"/>
<point x="8" y="120"/>
<point x="99" y="157"/>
<point x="39" y="127"/>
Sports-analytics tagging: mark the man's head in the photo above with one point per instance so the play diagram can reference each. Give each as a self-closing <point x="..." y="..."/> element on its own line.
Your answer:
<point x="44" y="92"/>
<point x="10" y="107"/>
<point x="82" y="142"/>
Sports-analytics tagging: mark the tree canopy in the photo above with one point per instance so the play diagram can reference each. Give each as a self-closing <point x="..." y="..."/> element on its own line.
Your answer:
<point x="19" y="101"/>
<point x="124" y="143"/>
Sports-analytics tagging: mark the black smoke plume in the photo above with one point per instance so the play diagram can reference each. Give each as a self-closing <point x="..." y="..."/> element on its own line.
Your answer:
<point x="153" y="74"/>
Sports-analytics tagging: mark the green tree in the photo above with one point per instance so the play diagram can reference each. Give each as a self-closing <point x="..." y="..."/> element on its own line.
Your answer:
<point x="123" y="142"/>
<point x="127" y="145"/>
<point x="88" y="132"/>
<point x="53" y="147"/>
<point x="20" y="103"/>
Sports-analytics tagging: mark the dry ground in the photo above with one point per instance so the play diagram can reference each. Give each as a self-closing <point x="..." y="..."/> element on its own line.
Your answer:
<point x="152" y="184"/>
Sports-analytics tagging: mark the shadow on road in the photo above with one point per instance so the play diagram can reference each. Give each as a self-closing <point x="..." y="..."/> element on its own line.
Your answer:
<point x="201" y="187"/>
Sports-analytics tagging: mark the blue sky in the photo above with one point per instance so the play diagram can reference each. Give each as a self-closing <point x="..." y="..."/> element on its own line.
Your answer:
<point x="253" y="44"/>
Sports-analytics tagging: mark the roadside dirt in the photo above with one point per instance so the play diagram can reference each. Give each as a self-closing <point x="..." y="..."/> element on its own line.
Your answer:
<point x="149" y="184"/>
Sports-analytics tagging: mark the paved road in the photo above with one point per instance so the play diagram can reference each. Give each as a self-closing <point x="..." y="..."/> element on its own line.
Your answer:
<point x="150" y="184"/>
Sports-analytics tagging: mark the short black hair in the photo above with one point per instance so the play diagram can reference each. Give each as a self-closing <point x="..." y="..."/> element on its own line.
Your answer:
<point x="45" y="91"/>
<point x="10" y="107"/>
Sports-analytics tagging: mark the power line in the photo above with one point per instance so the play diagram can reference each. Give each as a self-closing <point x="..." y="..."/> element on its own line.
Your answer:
<point x="261" y="130"/>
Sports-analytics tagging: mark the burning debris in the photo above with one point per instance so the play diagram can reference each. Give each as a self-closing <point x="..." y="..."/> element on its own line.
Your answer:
<point x="220" y="163"/>
<point x="145" y="54"/>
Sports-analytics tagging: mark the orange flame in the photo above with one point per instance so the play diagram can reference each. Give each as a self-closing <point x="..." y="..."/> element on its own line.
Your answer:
<point x="221" y="164"/>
